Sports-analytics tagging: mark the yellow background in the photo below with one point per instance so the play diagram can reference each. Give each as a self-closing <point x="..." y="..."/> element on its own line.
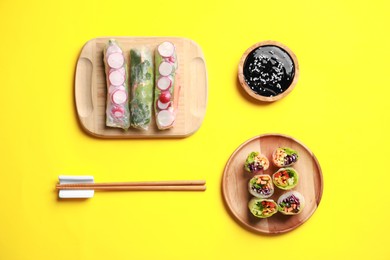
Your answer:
<point x="340" y="109"/>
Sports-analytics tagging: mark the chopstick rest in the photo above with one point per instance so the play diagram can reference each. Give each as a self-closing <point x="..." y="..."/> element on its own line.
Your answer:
<point x="80" y="193"/>
<point x="84" y="186"/>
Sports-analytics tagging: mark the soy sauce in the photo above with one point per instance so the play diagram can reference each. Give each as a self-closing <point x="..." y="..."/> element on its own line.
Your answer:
<point x="268" y="70"/>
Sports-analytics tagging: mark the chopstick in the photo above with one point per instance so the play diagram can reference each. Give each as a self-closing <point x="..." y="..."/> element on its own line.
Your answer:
<point x="135" y="188"/>
<point x="139" y="183"/>
<point x="193" y="185"/>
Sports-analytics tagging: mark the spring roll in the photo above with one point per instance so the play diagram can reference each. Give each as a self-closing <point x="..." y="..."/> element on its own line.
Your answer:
<point x="117" y="108"/>
<point x="141" y="82"/>
<point x="285" y="178"/>
<point x="166" y="90"/>
<point x="256" y="162"/>
<point x="262" y="208"/>
<point x="291" y="203"/>
<point x="284" y="156"/>
<point x="261" y="186"/>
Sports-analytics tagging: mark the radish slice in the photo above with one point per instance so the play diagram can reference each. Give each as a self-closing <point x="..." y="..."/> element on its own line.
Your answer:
<point x="119" y="97"/>
<point x="113" y="49"/>
<point x="164" y="83"/>
<point x="115" y="60"/>
<point x="118" y="111"/>
<point x="112" y="88"/>
<point x="166" y="49"/>
<point x="165" y="96"/>
<point x="165" y="118"/>
<point x="121" y="70"/>
<point x="116" y="78"/>
<point x="165" y="68"/>
<point x="163" y="106"/>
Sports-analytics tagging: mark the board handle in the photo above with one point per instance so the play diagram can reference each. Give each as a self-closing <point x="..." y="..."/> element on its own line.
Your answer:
<point x="83" y="84"/>
<point x="198" y="83"/>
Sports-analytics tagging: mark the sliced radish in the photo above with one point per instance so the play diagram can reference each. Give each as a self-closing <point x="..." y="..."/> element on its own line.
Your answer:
<point x="166" y="49"/>
<point x="171" y="59"/>
<point x="113" y="49"/>
<point x="121" y="70"/>
<point x="165" y="118"/>
<point x="115" y="60"/>
<point x="163" y="106"/>
<point x="164" y="83"/>
<point x="116" y="78"/>
<point x="112" y="88"/>
<point x="165" y="68"/>
<point x="165" y="97"/>
<point x="117" y="111"/>
<point x="119" y="97"/>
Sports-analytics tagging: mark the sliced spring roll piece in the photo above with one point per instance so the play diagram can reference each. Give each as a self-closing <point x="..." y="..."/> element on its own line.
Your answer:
<point x="117" y="108"/>
<point x="141" y="82"/>
<point x="262" y="208"/>
<point x="284" y="156"/>
<point x="256" y="162"/>
<point x="261" y="186"/>
<point x="285" y="178"/>
<point x="291" y="203"/>
<point x="166" y="90"/>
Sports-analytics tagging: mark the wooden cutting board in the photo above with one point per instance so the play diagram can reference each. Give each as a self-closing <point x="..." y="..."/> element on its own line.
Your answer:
<point x="90" y="88"/>
<point x="235" y="184"/>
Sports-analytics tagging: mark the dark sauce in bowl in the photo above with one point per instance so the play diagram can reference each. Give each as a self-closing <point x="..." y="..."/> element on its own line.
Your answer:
<point x="268" y="70"/>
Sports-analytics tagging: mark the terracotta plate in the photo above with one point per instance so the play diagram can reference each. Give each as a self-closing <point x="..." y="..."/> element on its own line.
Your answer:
<point x="235" y="184"/>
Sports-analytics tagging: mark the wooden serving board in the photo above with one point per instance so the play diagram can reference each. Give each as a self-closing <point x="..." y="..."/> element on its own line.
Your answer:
<point x="91" y="90"/>
<point x="235" y="184"/>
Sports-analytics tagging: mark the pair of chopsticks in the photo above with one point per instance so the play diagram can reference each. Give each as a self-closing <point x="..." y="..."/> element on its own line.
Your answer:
<point x="195" y="185"/>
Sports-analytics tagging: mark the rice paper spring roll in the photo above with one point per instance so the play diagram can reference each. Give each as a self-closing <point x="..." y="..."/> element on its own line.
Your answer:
<point x="285" y="178"/>
<point x="141" y="82"/>
<point x="284" y="156"/>
<point x="166" y="95"/>
<point x="117" y="108"/>
<point x="262" y="208"/>
<point x="261" y="186"/>
<point x="291" y="203"/>
<point x="256" y="162"/>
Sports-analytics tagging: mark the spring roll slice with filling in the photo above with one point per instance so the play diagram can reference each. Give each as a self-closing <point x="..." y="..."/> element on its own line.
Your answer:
<point x="261" y="186"/>
<point x="262" y="208"/>
<point x="284" y="156"/>
<point x="166" y="95"/>
<point x="256" y="162"/>
<point x="117" y="108"/>
<point x="291" y="203"/>
<point x="285" y="178"/>
<point x="141" y="83"/>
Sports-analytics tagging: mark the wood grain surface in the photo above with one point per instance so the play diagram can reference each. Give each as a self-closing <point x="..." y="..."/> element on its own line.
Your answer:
<point x="235" y="184"/>
<point x="90" y="88"/>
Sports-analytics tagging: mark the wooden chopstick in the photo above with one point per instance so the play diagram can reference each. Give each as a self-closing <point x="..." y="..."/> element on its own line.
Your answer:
<point x="135" y="188"/>
<point x="139" y="183"/>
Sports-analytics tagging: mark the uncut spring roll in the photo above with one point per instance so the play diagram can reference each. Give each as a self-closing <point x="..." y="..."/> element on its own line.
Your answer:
<point x="141" y="83"/>
<point x="285" y="178"/>
<point x="117" y="108"/>
<point x="262" y="208"/>
<point x="284" y="156"/>
<point x="291" y="203"/>
<point x="261" y="186"/>
<point x="166" y="94"/>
